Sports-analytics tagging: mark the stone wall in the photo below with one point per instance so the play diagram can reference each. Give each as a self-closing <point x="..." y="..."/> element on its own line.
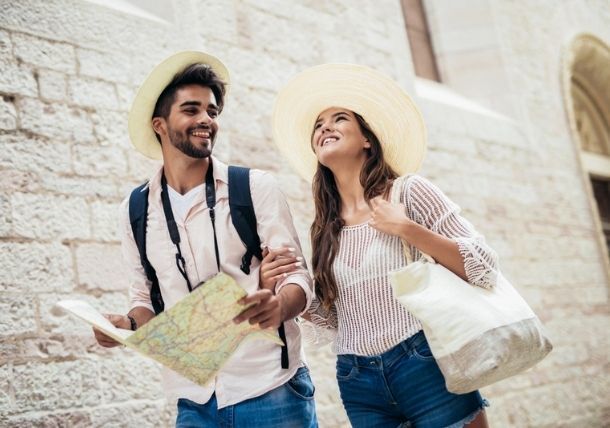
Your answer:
<point x="69" y="72"/>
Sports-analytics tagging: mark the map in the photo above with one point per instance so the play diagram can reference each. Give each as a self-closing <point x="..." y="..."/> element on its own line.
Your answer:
<point x="195" y="337"/>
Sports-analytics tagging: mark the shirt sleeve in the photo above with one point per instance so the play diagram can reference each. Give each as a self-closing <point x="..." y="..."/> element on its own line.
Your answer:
<point x="322" y="317"/>
<point x="276" y="227"/>
<point x="139" y="285"/>
<point x="429" y="206"/>
<point x="322" y="329"/>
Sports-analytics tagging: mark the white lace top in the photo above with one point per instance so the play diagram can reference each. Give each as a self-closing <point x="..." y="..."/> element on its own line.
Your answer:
<point x="366" y="319"/>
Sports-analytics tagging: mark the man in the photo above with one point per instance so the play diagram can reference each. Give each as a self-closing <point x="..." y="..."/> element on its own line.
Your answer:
<point x="175" y="117"/>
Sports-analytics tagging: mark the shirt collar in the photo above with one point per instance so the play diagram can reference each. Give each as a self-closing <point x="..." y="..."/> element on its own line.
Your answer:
<point x="221" y="173"/>
<point x="221" y="170"/>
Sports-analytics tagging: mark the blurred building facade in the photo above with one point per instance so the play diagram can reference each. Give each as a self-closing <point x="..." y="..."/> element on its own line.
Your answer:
<point x="516" y="96"/>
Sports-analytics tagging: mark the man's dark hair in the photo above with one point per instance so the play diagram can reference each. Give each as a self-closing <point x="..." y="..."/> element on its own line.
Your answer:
<point x="194" y="74"/>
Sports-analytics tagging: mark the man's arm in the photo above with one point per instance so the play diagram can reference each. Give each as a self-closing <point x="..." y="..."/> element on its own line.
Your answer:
<point x="139" y="288"/>
<point x="285" y="299"/>
<point x="276" y="230"/>
<point x="269" y="310"/>
<point x="139" y="314"/>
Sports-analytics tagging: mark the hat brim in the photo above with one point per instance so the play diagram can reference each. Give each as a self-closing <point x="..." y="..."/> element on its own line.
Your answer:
<point x="141" y="132"/>
<point x="386" y="107"/>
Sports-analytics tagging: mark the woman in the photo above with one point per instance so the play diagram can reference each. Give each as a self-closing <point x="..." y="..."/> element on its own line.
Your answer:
<point x="358" y="131"/>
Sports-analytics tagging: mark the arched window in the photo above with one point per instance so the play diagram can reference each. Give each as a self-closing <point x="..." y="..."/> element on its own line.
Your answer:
<point x="587" y="90"/>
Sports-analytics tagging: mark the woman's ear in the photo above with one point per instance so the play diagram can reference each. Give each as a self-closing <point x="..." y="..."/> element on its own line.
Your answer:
<point x="367" y="143"/>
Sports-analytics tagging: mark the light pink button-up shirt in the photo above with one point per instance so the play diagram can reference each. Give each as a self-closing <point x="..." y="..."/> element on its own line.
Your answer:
<point x="255" y="368"/>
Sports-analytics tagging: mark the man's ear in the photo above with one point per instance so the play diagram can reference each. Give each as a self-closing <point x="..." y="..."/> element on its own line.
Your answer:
<point x="158" y="124"/>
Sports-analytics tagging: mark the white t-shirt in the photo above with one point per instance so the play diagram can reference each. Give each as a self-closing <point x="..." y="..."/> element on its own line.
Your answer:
<point x="181" y="204"/>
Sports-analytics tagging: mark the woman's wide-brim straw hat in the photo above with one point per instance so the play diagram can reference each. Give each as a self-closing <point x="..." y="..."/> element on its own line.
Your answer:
<point x="140" y="116"/>
<point x="384" y="105"/>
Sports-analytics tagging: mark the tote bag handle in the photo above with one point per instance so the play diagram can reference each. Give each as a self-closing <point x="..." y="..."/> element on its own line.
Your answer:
<point x="397" y="189"/>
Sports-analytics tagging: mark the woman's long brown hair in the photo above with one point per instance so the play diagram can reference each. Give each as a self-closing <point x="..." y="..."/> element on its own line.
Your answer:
<point x="376" y="178"/>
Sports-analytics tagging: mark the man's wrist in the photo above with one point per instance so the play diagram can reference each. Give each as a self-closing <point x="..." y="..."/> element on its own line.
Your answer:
<point x="282" y="297"/>
<point x="132" y="323"/>
<point x="288" y="296"/>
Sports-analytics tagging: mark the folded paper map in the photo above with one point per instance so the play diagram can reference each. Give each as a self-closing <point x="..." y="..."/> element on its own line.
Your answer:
<point x="195" y="337"/>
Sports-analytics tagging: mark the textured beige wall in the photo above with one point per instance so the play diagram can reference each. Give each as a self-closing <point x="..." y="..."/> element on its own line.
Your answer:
<point x="68" y="72"/>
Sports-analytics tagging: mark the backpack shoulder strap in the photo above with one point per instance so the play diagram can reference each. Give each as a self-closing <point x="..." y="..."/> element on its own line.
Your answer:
<point x="243" y="216"/>
<point x="244" y="220"/>
<point x="138" y="213"/>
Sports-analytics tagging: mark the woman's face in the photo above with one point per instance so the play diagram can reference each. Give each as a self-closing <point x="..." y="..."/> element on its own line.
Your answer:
<point x="337" y="136"/>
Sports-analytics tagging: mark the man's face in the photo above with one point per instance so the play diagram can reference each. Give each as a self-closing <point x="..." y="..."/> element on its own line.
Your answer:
<point x="192" y="123"/>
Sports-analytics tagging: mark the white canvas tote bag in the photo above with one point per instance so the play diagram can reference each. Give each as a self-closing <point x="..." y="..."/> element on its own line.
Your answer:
<point x="477" y="336"/>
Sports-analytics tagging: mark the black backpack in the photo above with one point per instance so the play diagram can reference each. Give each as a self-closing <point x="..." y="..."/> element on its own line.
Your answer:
<point x="242" y="217"/>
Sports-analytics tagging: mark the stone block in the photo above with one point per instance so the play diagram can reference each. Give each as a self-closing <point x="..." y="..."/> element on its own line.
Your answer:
<point x="109" y="66"/>
<point x="451" y="143"/>
<point x="34" y="154"/>
<point x="5" y="388"/>
<point x="6" y="47"/>
<point x="55" y="347"/>
<point x="35" y="267"/>
<point x="459" y="40"/>
<point x="255" y="153"/>
<point x="44" y="53"/>
<point x="17" y="79"/>
<point x="89" y="25"/>
<point x="34" y="419"/>
<point x="8" y="114"/>
<point x="100" y="268"/>
<point x="310" y="12"/>
<point x="10" y="350"/>
<point x="92" y="93"/>
<point x="441" y="116"/>
<point x="248" y="114"/>
<point x="141" y="169"/>
<point x="5" y="215"/>
<point x="18" y="314"/>
<point x="105" y="220"/>
<point x="53" y="85"/>
<point x="279" y="35"/>
<point x="56" y="121"/>
<point x="221" y="22"/>
<point x="336" y="49"/>
<point x="99" y="161"/>
<point x="140" y="414"/>
<point x="129" y="378"/>
<point x="50" y="216"/>
<point x="56" y="385"/>
<point x="126" y="94"/>
<point x="81" y="186"/>
<point x="250" y="71"/>
<point x="111" y="129"/>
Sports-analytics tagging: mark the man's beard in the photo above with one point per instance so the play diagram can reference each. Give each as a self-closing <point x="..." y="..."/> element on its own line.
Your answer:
<point x="182" y="143"/>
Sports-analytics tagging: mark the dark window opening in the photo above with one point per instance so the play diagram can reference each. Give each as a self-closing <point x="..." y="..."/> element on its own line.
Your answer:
<point x="601" y="191"/>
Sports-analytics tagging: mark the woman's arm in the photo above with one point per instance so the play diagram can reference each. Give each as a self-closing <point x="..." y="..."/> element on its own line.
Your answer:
<point x="430" y="222"/>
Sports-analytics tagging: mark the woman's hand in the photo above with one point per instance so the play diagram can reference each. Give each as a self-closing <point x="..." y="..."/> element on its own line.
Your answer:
<point x="389" y="218"/>
<point x="276" y="264"/>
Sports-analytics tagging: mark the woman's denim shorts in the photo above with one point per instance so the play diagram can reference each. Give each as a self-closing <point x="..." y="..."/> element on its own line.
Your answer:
<point x="403" y="387"/>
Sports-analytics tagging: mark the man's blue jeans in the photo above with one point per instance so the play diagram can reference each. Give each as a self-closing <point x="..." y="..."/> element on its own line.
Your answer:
<point x="288" y="406"/>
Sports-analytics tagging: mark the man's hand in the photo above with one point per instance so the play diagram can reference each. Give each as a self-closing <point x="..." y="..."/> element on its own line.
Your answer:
<point x="119" y="321"/>
<point x="266" y="311"/>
